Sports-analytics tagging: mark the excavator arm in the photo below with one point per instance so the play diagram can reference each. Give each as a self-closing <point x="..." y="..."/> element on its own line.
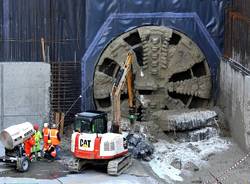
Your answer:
<point x="125" y="74"/>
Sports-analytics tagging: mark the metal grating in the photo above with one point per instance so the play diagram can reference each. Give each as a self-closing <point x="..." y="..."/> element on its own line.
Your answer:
<point x="23" y="23"/>
<point x="65" y="89"/>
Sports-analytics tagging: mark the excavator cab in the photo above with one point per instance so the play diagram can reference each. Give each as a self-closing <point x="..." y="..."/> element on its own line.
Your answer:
<point x="91" y="122"/>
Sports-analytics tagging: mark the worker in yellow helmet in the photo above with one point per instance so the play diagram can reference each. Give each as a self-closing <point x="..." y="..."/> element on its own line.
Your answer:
<point x="50" y="151"/>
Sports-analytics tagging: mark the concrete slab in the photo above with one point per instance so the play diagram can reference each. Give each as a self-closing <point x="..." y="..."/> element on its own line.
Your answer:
<point x="24" y="92"/>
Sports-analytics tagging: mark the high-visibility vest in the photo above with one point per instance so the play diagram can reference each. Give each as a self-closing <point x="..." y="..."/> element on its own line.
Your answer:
<point x="46" y="134"/>
<point x="28" y="145"/>
<point x="53" y="137"/>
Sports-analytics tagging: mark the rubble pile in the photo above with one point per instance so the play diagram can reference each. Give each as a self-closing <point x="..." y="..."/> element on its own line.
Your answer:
<point x="172" y="159"/>
<point x="182" y="120"/>
<point x="139" y="146"/>
<point x="188" y="125"/>
<point x="139" y="140"/>
<point x="196" y="135"/>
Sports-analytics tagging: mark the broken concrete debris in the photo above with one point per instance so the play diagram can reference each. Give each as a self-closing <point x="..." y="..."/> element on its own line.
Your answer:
<point x="188" y="125"/>
<point x="173" y="159"/>
<point x="196" y="135"/>
<point x="194" y="148"/>
<point x="176" y="163"/>
<point x="139" y="146"/>
<point x="183" y="120"/>
<point x="190" y="166"/>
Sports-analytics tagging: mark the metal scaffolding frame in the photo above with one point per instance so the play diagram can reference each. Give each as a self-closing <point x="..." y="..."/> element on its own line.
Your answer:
<point x="65" y="89"/>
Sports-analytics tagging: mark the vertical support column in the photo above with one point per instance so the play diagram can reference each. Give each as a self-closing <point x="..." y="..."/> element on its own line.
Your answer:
<point x="2" y="96"/>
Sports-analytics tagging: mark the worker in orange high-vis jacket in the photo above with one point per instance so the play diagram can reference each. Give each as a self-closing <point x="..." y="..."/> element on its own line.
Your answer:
<point x="45" y="133"/>
<point x="54" y="136"/>
<point x="28" y="144"/>
<point x="50" y="152"/>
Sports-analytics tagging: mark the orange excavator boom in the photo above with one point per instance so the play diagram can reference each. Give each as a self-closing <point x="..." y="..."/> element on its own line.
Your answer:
<point x="125" y="74"/>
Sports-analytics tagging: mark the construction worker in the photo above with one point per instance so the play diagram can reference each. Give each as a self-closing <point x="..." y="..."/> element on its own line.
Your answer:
<point x="37" y="147"/>
<point x="50" y="151"/>
<point x="45" y="134"/>
<point x="54" y="136"/>
<point x="28" y="144"/>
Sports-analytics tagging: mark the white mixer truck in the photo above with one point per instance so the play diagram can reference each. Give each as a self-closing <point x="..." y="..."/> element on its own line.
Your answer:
<point x="12" y="139"/>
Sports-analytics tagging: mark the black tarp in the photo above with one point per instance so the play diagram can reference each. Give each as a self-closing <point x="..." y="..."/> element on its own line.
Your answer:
<point x="211" y="13"/>
<point x="70" y="26"/>
<point x="24" y="22"/>
<point x="73" y="28"/>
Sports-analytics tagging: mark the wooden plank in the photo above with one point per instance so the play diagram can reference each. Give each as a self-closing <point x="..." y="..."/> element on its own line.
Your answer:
<point x="57" y="118"/>
<point x="61" y="123"/>
<point x="43" y="49"/>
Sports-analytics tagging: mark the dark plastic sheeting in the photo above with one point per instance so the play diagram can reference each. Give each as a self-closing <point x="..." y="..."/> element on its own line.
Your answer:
<point x="87" y="26"/>
<point x="211" y="13"/>
<point x="24" y="22"/>
<point x="201" y="20"/>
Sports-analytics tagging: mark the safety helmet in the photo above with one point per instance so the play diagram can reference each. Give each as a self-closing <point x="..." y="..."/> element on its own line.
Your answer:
<point x="45" y="125"/>
<point x="54" y="126"/>
<point x="36" y="126"/>
<point x="53" y="153"/>
<point x="49" y="141"/>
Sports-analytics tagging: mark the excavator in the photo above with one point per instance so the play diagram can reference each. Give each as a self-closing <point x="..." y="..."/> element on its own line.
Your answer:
<point x="91" y="143"/>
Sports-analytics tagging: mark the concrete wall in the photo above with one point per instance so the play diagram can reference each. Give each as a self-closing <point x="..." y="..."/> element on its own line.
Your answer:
<point x="24" y="92"/>
<point x="234" y="100"/>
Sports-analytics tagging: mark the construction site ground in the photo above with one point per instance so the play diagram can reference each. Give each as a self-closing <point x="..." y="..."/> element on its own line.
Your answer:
<point x="139" y="172"/>
<point x="218" y="163"/>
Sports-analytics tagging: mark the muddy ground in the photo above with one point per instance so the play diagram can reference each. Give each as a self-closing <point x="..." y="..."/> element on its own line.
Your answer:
<point x="218" y="163"/>
<point x="56" y="172"/>
<point x="140" y="171"/>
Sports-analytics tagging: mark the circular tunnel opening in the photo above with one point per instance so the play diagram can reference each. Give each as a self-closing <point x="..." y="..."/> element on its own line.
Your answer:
<point x="170" y="71"/>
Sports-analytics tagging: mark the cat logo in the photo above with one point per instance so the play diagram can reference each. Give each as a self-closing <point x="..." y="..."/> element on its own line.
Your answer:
<point x="85" y="143"/>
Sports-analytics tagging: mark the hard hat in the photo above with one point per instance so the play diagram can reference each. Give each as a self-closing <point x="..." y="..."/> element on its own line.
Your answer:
<point x="54" y="126"/>
<point x="36" y="126"/>
<point x="45" y="125"/>
<point x="49" y="141"/>
<point x="53" y="153"/>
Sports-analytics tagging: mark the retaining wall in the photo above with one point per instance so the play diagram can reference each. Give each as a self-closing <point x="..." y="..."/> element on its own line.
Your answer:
<point x="234" y="99"/>
<point x="24" y="92"/>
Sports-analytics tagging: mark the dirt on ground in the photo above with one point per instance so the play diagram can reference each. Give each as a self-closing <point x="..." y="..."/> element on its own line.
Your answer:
<point x="38" y="170"/>
<point x="220" y="164"/>
<point x="219" y="157"/>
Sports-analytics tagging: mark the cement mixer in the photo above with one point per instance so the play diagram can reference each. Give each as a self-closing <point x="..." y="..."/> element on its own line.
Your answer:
<point x="13" y="138"/>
